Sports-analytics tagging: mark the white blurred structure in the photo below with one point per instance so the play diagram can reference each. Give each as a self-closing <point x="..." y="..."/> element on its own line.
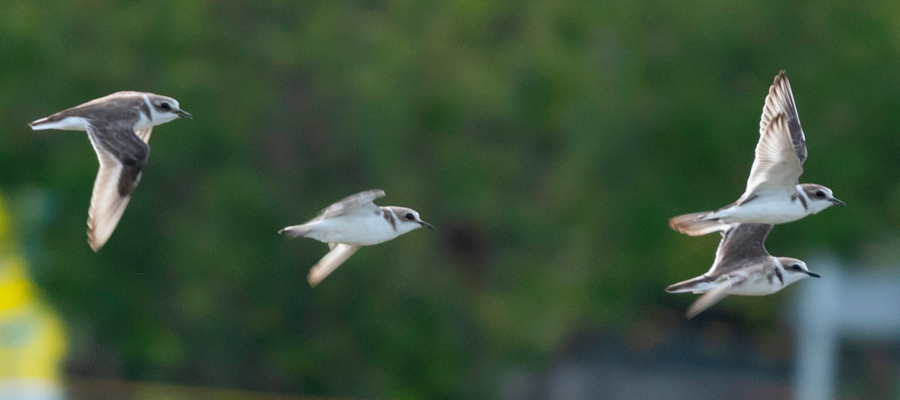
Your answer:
<point x="30" y="389"/>
<point x="843" y="305"/>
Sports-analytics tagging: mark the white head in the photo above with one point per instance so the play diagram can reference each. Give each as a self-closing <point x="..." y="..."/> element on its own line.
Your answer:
<point x="408" y="219"/>
<point x="795" y="270"/>
<point x="164" y="109"/>
<point x="820" y="197"/>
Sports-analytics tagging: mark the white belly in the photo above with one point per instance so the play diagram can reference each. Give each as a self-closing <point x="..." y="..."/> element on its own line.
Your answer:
<point x="758" y="287"/>
<point x="777" y="210"/>
<point x="355" y="230"/>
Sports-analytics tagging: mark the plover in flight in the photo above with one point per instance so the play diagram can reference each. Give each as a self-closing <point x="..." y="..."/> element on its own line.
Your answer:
<point x="353" y="222"/>
<point x="742" y="267"/>
<point x="119" y="127"/>
<point x="773" y="194"/>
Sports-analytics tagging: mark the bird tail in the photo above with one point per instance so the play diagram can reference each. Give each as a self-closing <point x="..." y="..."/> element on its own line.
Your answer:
<point x="60" y="122"/>
<point x="694" y="285"/>
<point x="296" y="231"/>
<point x="698" y="224"/>
<point x="36" y="124"/>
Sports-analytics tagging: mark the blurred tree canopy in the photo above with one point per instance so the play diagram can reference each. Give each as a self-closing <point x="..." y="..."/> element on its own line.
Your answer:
<point x="547" y="141"/>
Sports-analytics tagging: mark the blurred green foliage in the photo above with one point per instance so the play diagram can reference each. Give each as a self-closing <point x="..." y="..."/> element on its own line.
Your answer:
<point x="547" y="141"/>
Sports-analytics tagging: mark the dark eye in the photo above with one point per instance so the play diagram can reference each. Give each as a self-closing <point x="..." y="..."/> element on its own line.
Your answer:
<point x="410" y="217"/>
<point x="820" y="194"/>
<point x="797" y="267"/>
<point x="165" y="106"/>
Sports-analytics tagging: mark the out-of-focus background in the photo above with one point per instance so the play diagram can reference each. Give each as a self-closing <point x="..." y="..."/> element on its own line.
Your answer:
<point x="548" y="142"/>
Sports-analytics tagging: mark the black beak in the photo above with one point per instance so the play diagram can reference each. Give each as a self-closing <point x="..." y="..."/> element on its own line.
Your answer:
<point x="838" y="202"/>
<point x="813" y="274"/>
<point x="184" y="114"/>
<point x="426" y="225"/>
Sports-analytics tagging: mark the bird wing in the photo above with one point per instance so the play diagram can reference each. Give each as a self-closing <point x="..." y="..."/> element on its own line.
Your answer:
<point x="338" y="254"/>
<point x="714" y="296"/>
<point x="781" y="101"/>
<point x="720" y="251"/>
<point x="776" y="168"/>
<point x="358" y="202"/>
<point x="144" y="134"/>
<point x="724" y="283"/>
<point x="740" y="244"/>
<point x="122" y="157"/>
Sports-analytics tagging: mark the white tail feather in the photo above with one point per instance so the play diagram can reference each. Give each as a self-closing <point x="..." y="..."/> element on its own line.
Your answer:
<point x="65" y="124"/>
<point x="295" y="231"/>
<point x="698" y="224"/>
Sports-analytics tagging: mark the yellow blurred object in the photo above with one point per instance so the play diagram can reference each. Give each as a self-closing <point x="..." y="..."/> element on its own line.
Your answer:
<point x="32" y="341"/>
<point x="14" y="287"/>
<point x="31" y="337"/>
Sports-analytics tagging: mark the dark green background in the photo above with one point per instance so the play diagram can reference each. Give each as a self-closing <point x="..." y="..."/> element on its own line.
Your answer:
<point x="548" y="142"/>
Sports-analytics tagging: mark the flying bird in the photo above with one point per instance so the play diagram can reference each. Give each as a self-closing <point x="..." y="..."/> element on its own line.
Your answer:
<point x="742" y="267"/>
<point x="774" y="194"/>
<point x="351" y="223"/>
<point x="119" y="127"/>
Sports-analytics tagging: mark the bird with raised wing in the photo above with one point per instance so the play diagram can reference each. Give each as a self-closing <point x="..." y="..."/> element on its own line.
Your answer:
<point x="119" y="127"/>
<point x="773" y="194"/>
<point x="742" y="266"/>
<point x="351" y="223"/>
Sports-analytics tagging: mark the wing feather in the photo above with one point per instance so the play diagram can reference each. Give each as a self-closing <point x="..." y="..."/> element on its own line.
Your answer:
<point x="144" y="134"/>
<point x="338" y="254"/>
<point x="358" y="202"/>
<point x="112" y="189"/>
<point x="741" y="244"/>
<point x="713" y="296"/>
<point x="724" y="284"/>
<point x="776" y="168"/>
<point x="781" y="101"/>
<point x="107" y="202"/>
